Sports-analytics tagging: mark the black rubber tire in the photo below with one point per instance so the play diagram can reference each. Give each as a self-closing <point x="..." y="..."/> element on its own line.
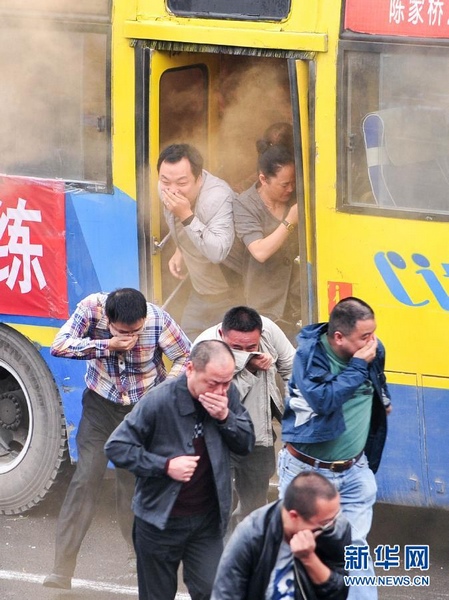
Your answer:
<point x="27" y="478"/>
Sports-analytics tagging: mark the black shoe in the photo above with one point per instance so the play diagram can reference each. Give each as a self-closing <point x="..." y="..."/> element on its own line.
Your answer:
<point x="62" y="582"/>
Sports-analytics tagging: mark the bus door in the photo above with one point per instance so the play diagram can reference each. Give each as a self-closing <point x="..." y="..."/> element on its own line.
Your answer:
<point x="222" y="104"/>
<point x="301" y="72"/>
<point x="182" y="109"/>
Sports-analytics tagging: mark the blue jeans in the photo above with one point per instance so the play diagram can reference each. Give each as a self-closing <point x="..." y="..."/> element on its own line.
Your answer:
<point x="358" y="488"/>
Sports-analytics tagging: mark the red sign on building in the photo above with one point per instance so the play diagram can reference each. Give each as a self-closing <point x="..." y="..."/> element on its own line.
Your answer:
<point x="33" y="279"/>
<point x="336" y="291"/>
<point x="414" y="18"/>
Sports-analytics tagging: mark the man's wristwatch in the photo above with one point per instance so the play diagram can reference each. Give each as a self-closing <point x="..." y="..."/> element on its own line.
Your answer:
<point x="290" y="226"/>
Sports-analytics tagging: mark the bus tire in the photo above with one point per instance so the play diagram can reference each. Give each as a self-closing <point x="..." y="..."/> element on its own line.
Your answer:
<point x="33" y="441"/>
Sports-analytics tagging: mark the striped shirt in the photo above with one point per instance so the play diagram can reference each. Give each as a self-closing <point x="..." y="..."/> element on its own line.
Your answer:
<point x="122" y="377"/>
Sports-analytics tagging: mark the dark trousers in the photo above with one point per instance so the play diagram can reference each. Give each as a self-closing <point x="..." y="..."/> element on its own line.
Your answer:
<point x="202" y="312"/>
<point x="99" y="419"/>
<point x="252" y="474"/>
<point x="194" y="541"/>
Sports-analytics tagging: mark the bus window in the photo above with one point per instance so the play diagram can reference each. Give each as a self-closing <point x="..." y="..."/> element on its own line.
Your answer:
<point x="53" y="119"/>
<point x="93" y="8"/>
<point x="397" y="130"/>
<point x="183" y="107"/>
<point x="237" y="9"/>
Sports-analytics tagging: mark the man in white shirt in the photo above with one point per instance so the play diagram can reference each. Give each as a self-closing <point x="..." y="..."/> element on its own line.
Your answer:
<point x="262" y="351"/>
<point x="198" y="211"/>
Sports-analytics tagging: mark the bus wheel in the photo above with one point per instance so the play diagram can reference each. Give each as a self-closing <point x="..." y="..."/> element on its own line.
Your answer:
<point x="32" y="427"/>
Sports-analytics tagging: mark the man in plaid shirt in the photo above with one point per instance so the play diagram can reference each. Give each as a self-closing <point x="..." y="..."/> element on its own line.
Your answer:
<point x="123" y="338"/>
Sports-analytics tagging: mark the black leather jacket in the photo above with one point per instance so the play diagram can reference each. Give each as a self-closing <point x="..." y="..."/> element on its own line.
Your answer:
<point x="250" y="556"/>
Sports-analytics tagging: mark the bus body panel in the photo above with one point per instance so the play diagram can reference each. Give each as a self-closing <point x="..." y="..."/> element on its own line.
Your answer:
<point x="351" y="243"/>
<point x="101" y="244"/>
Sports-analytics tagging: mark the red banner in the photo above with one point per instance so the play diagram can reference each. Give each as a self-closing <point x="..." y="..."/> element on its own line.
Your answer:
<point x="415" y="18"/>
<point x="33" y="280"/>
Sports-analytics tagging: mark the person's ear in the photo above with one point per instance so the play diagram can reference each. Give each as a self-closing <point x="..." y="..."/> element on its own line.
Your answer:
<point x="293" y="514"/>
<point x="338" y="338"/>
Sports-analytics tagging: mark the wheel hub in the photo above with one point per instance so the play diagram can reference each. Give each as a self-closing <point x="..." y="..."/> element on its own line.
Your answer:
<point x="10" y="411"/>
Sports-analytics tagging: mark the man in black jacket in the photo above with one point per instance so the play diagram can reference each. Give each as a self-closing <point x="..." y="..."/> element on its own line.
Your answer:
<point x="178" y="442"/>
<point x="288" y="549"/>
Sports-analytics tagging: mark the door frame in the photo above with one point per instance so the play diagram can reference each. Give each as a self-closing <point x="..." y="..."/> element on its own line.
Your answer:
<point x="301" y="76"/>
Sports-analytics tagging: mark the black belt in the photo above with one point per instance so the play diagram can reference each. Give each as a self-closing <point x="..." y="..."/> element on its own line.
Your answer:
<point x="338" y="466"/>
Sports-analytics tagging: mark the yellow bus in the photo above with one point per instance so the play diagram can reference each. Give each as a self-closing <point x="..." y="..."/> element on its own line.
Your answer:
<point x="92" y="91"/>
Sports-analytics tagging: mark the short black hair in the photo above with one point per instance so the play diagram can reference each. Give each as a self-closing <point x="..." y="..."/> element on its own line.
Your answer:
<point x="176" y="152"/>
<point x="346" y="313"/>
<point x="203" y="352"/>
<point x="126" y="305"/>
<point x="304" y="490"/>
<point x="241" y="318"/>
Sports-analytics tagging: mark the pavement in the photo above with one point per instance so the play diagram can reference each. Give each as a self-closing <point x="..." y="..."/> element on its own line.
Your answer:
<point x="27" y="547"/>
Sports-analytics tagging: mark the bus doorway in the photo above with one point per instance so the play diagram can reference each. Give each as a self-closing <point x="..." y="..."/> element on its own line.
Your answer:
<point x="223" y="104"/>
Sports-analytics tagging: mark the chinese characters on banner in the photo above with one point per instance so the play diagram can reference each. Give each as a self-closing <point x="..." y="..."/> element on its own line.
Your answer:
<point x="416" y="18"/>
<point x="33" y="279"/>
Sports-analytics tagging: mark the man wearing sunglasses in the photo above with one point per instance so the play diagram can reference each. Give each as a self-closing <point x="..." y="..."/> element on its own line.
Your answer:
<point x="292" y="548"/>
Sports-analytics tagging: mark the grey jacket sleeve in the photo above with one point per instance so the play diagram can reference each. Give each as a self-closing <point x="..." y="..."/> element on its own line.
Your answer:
<point x="238" y="429"/>
<point x="212" y="229"/>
